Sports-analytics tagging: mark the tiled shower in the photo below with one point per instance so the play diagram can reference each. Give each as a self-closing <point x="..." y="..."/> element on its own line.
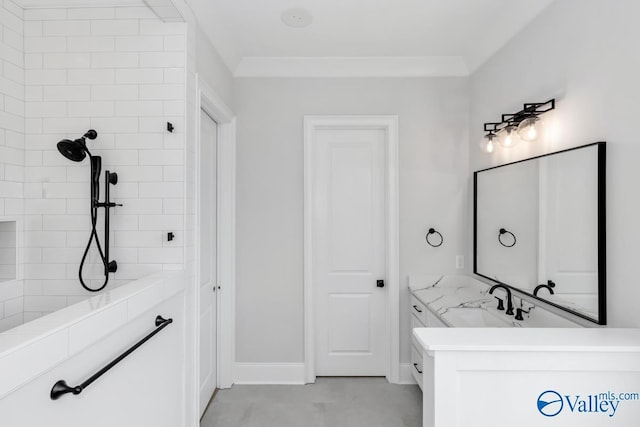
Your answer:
<point x="120" y="71"/>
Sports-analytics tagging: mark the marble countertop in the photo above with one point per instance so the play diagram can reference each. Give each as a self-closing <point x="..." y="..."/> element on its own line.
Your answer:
<point x="529" y="339"/>
<point x="442" y="294"/>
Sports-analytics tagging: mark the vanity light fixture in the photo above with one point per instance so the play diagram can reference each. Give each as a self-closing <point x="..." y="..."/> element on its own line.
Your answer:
<point x="509" y="136"/>
<point x="524" y="125"/>
<point x="489" y="141"/>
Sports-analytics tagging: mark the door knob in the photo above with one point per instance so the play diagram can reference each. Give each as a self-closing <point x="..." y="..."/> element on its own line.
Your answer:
<point x="380" y="283"/>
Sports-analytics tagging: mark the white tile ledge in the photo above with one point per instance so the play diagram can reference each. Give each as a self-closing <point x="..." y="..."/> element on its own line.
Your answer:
<point x="70" y="330"/>
<point x="92" y="306"/>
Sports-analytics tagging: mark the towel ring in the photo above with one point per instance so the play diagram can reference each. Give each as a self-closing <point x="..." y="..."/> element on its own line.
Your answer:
<point x="433" y="231"/>
<point x="505" y="231"/>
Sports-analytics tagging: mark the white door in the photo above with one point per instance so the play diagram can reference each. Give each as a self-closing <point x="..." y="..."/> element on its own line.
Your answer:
<point x="349" y="252"/>
<point x="208" y="256"/>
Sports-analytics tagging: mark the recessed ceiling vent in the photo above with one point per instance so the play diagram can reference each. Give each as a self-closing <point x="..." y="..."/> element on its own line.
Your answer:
<point x="297" y="18"/>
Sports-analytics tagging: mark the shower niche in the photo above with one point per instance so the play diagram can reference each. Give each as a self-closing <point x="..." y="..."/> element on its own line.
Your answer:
<point x="8" y="244"/>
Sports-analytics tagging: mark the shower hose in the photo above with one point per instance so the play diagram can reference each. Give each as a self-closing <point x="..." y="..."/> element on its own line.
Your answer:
<point x="94" y="235"/>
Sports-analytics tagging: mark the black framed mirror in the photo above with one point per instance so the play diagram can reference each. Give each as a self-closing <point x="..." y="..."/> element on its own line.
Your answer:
<point x="539" y="228"/>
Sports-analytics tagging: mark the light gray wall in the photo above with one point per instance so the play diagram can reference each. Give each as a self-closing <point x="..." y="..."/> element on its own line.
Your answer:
<point x="210" y="67"/>
<point x="433" y="192"/>
<point x="585" y="54"/>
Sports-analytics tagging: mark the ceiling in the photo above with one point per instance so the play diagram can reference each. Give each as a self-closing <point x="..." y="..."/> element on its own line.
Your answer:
<point x="414" y="37"/>
<point x="349" y="37"/>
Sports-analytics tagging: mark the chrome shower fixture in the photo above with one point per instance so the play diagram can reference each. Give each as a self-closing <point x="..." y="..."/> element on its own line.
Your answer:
<point x="77" y="151"/>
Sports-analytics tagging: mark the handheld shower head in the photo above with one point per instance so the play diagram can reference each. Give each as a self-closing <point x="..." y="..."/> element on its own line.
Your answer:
<point x="76" y="151"/>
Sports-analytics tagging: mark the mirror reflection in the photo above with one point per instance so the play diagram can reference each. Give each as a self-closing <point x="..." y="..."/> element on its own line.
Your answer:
<point x="539" y="228"/>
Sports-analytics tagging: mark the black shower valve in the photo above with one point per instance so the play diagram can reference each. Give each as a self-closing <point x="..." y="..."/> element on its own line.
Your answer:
<point x="112" y="267"/>
<point x="113" y="178"/>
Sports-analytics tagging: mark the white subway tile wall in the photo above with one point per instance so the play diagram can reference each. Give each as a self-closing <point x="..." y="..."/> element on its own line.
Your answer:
<point x="121" y="72"/>
<point x="12" y="158"/>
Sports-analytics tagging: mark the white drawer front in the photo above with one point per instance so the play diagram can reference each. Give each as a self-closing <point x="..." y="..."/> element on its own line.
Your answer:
<point x="416" y="365"/>
<point x="419" y="310"/>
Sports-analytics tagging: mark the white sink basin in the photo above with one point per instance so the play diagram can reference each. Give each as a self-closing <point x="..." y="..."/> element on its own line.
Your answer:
<point x="474" y="318"/>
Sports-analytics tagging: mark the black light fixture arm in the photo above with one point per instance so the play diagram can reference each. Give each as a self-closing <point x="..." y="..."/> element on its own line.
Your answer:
<point x="531" y="109"/>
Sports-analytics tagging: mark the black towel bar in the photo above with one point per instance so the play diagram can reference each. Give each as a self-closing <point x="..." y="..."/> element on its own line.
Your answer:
<point x="61" y="387"/>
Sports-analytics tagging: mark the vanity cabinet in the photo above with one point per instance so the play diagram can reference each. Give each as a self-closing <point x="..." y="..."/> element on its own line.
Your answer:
<point x="421" y="317"/>
<point x="505" y="377"/>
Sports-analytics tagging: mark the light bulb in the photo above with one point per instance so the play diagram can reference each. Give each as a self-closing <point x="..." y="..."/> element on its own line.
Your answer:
<point x="530" y="128"/>
<point x="488" y="142"/>
<point x="508" y="137"/>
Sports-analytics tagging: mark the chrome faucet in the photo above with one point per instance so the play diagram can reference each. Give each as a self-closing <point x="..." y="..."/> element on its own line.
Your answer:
<point x="550" y="285"/>
<point x="509" y="300"/>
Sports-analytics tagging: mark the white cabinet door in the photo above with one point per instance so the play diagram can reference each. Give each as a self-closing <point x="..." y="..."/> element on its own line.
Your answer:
<point x="349" y="252"/>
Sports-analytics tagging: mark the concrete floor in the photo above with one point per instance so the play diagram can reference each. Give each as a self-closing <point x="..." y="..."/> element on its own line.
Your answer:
<point x="330" y="402"/>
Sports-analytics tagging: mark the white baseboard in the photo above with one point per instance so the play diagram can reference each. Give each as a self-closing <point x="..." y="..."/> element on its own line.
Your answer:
<point x="290" y="373"/>
<point x="268" y="373"/>
<point x="406" y="376"/>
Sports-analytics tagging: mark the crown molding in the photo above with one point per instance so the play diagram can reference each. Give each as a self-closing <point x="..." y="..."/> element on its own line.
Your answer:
<point x="401" y="66"/>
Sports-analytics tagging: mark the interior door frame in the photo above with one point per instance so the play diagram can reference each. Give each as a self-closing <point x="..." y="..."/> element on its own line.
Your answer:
<point x="208" y="101"/>
<point x="392" y="278"/>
